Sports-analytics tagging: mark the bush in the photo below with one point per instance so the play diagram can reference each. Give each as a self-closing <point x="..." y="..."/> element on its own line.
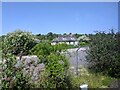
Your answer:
<point x="13" y="77"/>
<point x="83" y="44"/>
<point x="17" y="42"/>
<point x="56" y="64"/>
<point x="103" y="55"/>
<point x="55" y="72"/>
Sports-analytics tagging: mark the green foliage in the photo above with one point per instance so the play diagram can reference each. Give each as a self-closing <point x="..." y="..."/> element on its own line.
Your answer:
<point x="55" y="70"/>
<point x="44" y="49"/>
<point x="17" y="42"/>
<point x="71" y="46"/>
<point x="77" y="35"/>
<point x="83" y="44"/>
<point x="49" y="36"/>
<point x="104" y="53"/>
<point x="13" y="77"/>
<point x="56" y="64"/>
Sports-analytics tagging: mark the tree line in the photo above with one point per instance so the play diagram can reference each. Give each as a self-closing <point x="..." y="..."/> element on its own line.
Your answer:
<point x="50" y="36"/>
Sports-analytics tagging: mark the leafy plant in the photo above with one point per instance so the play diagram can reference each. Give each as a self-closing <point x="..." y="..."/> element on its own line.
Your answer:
<point x="56" y="64"/>
<point x="104" y="55"/>
<point x="13" y="77"/>
<point x="17" y="42"/>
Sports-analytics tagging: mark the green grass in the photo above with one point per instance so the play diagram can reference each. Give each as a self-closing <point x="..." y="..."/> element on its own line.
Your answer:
<point x="94" y="80"/>
<point x="81" y="44"/>
<point x="71" y="46"/>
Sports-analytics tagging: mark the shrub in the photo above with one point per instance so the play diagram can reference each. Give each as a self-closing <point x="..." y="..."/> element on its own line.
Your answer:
<point x="44" y="49"/>
<point x="55" y="71"/>
<point x="13" y="77"/>
<point x="103" y="55"/>
<point x="56" y="64"/>
<point x="17" y="42"/>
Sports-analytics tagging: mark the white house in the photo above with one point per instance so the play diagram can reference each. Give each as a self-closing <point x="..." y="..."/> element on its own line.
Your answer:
<point x="68" y="39"/>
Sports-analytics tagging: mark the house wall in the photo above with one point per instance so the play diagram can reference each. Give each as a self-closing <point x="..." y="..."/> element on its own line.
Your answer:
<point x="53" y="43"/>
<point x="68" y="43"/>
<point x="72" y="43"/>
<point x="61" y="42"/>
<point x="76" y="42"/>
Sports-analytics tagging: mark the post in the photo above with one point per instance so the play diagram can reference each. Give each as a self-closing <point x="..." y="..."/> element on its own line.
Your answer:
<point x="77" y="61"/>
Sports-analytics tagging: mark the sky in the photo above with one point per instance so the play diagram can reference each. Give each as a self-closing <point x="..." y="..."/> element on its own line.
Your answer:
<point x="59" y="17"/>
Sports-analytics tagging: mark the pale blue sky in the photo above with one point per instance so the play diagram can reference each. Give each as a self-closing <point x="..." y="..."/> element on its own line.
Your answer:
<point x="61" y="18"/>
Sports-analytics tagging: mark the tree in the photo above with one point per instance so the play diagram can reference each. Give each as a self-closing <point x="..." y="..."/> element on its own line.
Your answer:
<point x="64" y="34"/>
<point x="70" y="33"/>
<point x="50" y="36"/>
<point x="77" y="35"/>
<point x="104" y="55"/>
<point x="18" y="42"/>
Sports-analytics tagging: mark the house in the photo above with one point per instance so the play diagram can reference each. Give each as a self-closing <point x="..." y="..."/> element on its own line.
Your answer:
<point x="68" y="39"/>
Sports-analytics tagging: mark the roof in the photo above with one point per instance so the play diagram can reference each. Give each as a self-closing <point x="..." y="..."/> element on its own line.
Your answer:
<point x="63" y="38"/>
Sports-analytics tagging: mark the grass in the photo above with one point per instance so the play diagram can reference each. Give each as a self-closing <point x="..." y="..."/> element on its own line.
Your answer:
<point x="94" y="80"/>
<point x="81" y="44"/>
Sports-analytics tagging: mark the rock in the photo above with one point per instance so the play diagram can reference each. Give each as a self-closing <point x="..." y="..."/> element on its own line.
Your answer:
<point x="30" y="66"/>
<point x="114" y="84"/>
